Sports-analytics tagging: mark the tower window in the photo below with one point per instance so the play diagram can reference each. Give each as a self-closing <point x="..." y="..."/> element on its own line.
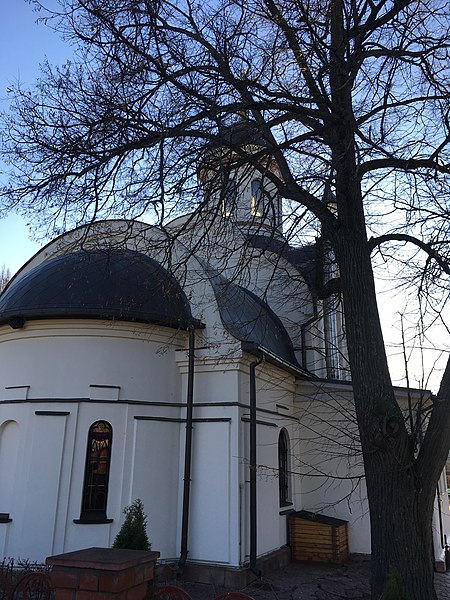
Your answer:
<point x="257" y="202"/>
<point x="229" y="198"/>
<point x="283" y="468"/>
<point x="96" y="473"/>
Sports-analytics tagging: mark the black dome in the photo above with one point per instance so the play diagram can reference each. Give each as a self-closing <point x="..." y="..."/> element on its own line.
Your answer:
<point x="250" y="319"/>
<point x="242" y="133"/>
<point x="101" y="284"/>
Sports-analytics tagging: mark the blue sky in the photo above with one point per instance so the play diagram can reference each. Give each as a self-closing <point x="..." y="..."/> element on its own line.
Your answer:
<point x="23" y="45"/>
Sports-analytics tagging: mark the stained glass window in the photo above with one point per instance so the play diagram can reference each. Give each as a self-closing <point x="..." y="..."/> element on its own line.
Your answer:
<point x="96" y="474"/>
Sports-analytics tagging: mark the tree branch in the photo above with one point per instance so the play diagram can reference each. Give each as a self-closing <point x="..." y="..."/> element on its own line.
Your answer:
<point x="403" y="237"/>
<point x="401" y="164"/>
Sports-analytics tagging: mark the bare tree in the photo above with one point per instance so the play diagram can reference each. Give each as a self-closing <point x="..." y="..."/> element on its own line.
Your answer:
<point x="5" y="276"/>
<point x="347" y="95"/>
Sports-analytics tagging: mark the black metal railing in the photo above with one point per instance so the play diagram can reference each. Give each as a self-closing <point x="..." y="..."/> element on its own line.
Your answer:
<point x="24" y="582"/>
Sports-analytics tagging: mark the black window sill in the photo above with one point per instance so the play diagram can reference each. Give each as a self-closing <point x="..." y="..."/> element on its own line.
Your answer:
<point x="86" y="521"/>
<point x="5" y="520"/>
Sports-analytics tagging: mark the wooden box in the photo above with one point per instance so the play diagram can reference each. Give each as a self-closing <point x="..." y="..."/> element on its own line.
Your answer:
<point x="318" y="538"/>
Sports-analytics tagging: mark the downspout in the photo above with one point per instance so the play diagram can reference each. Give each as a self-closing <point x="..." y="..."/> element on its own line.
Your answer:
<point x="441" y="525"/>
<point x="187" y="454"/>
<point x="253" y="495"/>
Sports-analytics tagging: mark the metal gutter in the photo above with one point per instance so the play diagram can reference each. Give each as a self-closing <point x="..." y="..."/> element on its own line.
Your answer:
<point x="270" y="357"/>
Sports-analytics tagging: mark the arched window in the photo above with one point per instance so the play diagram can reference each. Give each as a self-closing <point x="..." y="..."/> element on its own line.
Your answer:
<point x="96" y="472"/>
<point x="229" y="198"/>
<point x="283" y="468"/>
<point x="257" y="205"/>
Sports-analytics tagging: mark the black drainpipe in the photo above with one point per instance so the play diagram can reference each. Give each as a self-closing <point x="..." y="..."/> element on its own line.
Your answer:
<point x="253" y="498"/>
<point x="187" y="455"/>
<point x="441" y="526"/>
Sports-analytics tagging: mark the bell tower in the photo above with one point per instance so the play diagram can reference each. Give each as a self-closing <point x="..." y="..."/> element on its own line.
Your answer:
<point x="237" y="175"/>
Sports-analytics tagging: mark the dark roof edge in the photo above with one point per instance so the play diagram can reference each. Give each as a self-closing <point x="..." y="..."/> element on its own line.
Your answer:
<point x="273" y="359"/>
<point x="396" y="388"/>
<point x="17" y="321"/>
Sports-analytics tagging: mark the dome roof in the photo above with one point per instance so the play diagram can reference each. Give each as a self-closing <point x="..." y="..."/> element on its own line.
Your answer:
<point x="250" y="319"/>
<point x="242" y="133"/>
<point x="102" y="284"/>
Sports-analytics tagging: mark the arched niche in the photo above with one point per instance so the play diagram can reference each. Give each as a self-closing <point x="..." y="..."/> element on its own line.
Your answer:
<point x="9" y="448"/>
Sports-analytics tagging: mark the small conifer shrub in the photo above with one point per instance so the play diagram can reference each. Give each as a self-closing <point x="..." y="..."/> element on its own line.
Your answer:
<point x="133" y="533"/>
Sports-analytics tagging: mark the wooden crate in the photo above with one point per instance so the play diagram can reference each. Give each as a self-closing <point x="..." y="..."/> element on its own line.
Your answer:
<point x="318" y="538"/>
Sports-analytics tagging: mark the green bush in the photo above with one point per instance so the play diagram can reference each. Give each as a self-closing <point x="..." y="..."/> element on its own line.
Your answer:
<point x="133" y="533"/>
<point x="394" y="590"/>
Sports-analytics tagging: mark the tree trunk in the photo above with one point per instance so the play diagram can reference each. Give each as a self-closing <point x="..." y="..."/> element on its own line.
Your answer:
<point x="401" y="534"/>
<point x="400" y="496"/>
<point x="401" y="504"/>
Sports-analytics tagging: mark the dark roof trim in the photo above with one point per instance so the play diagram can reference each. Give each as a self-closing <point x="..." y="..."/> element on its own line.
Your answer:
<point x="19" y="321"/>
<point x="273" y="359"/>
<point x="318" y="518"/>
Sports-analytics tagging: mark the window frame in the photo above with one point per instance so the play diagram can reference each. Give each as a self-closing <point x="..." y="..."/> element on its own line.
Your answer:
<point x="94" y="499"/>
<point x="257" y="199"/>
<point x="229" y="196"/>
<point x="284" y="479"/>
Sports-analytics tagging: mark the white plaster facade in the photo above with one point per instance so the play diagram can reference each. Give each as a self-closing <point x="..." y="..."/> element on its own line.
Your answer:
<point x="61" y="373"/>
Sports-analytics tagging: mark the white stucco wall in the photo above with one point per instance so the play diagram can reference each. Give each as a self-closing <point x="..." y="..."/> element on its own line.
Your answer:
<point x="51" y="376"/>
<point x="62" y="359"/>
<point x="59" y="377"/>
<point x="275" y="411"/>
<point x="55" y="380"/>
<point x="329" y="457"/>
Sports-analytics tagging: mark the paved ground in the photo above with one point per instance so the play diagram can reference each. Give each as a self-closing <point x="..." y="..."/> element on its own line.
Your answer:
<point x="305" y="582"/>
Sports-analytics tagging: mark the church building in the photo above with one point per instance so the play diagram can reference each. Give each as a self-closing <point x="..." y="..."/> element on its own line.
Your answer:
<point x="197" y="367"/>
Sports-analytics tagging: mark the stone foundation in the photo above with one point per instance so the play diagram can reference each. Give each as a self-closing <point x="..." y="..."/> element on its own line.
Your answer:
<point x="225" y="577"/>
